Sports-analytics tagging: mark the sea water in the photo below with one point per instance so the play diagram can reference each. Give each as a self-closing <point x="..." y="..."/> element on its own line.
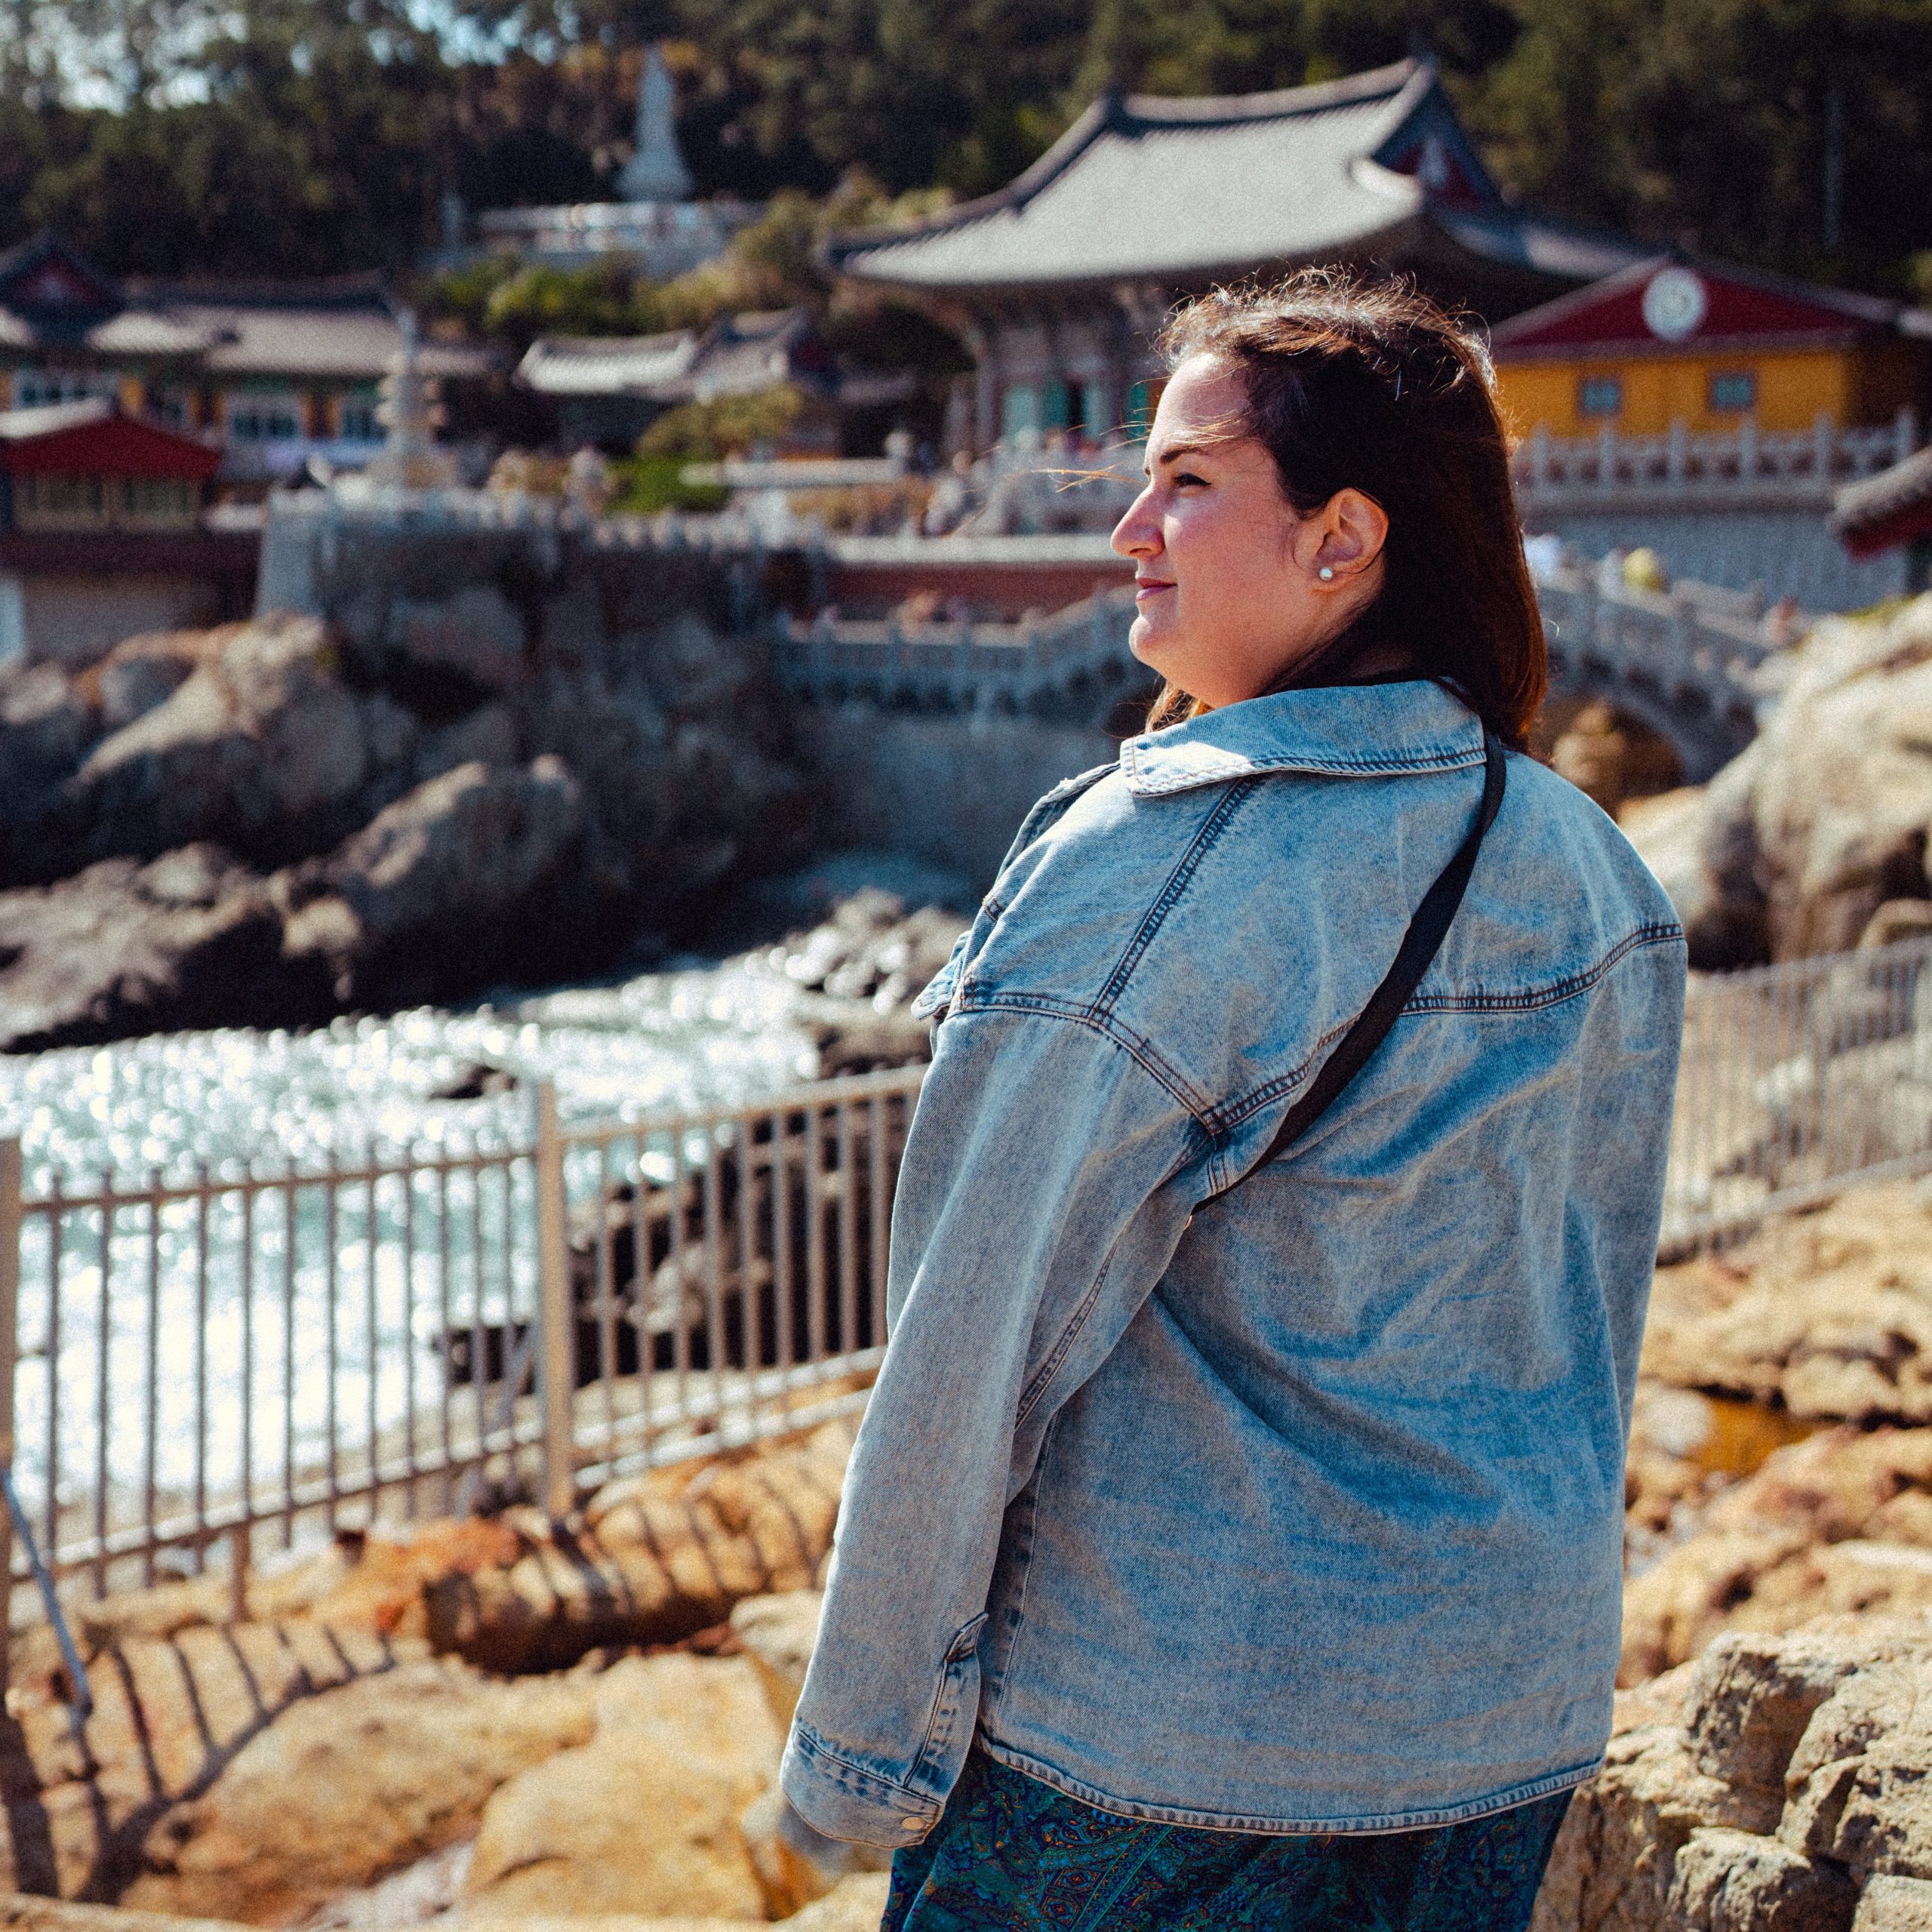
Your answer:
<point x="336" y="1335"/>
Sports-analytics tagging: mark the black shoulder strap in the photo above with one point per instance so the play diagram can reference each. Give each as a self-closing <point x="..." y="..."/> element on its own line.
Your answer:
<point x="1421" y="944"/>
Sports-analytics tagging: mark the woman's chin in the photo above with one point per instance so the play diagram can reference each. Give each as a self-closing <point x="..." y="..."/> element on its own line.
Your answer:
<point x="1152" y="643"/>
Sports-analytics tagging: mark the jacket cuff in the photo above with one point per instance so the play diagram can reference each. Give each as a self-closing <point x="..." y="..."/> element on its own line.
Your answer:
<point x="843" y="1800"/>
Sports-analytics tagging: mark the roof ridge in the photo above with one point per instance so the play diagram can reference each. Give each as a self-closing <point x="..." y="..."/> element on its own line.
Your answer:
<point x="1312" y="97"/>
<point x="1874" y="309"/>
<point x="1110" y="110"/>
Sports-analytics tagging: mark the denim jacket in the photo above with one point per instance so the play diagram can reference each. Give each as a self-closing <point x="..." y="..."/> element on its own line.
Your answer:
<point x="1300" y="1509"/>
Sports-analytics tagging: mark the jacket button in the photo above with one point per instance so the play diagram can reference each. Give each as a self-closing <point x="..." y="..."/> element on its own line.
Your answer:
<point x="911" y="1824"/>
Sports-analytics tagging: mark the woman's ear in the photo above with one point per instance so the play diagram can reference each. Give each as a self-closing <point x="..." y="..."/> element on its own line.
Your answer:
<point x="1350" y="530"/>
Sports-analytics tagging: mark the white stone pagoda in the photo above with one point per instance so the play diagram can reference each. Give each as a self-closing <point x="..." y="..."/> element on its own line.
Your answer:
<point x="657" y="224"/>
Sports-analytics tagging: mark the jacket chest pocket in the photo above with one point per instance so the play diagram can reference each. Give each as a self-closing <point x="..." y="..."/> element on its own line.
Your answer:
<point x="957" y="1697"/>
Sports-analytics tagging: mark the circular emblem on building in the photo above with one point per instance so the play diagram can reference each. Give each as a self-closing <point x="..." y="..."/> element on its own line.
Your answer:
<point x="1675" y="303"/>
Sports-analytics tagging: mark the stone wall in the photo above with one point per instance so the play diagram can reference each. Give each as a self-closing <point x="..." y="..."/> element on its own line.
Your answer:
<point x="1789" y="552"/>
<point x="948" y="790"/>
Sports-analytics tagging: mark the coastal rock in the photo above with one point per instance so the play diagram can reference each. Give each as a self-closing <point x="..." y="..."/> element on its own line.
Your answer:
<point x="1824" y="818"/>
<point x="191" y="939"/>
<point x="1779" y="1783"/>
<point x="1732" y="1882"/>
<point x="1895" y="1905"/>
<point x="496" y="853"/>
<point x="46" y="725"/>
<point x="264" y="750"/>
<point x="253" y="1771"/>
<point x="779" y="1633"/>
<point x="795" y="1862"/>
<point x="1840" y="1522"/>
<point x="643" y="1817"/>
<point x="656" y="1558"/>
<point x="1828" y="1318"/>
<point x="342" y="1788"/>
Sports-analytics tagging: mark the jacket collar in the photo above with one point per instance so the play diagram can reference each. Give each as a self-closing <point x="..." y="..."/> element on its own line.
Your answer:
<point x="1344" y="730"/>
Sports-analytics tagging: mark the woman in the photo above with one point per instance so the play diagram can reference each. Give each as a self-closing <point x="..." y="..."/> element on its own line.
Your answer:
<point x="1235" y="1537"/>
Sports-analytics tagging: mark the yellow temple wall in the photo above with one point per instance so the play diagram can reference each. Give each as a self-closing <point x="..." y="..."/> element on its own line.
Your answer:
<point x="1794" y="388"/>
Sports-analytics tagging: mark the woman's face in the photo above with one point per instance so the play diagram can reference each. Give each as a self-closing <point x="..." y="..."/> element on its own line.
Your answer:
<point x="1228" y="589"/>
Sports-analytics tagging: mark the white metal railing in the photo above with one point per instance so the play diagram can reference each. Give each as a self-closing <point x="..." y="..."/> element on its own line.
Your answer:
<point x="1797" y="1079"/>
<point x="197" y="1365"/>
<point x="1745" y="462"/>
<point x="194" y="1371"/>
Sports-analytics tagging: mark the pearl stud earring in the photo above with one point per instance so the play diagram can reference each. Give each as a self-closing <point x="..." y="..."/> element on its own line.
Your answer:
<point x="1327" y="573"/>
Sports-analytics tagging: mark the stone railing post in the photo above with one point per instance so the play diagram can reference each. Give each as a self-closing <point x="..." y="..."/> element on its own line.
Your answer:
<point x="1677" y="456"/>
<point x="1904" y="433"/>
<point x="1747" y="449"/>
<point x="1540" y="455"/>
<point x="1607" y="457"/>
<point x="1824" y="446"/>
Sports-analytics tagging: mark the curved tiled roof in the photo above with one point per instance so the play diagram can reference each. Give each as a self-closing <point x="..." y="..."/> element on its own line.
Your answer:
<point x="1143" y="186"/>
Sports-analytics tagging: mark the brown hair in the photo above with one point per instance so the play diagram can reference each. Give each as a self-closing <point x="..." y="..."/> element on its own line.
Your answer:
<point x="1371" y="386"/>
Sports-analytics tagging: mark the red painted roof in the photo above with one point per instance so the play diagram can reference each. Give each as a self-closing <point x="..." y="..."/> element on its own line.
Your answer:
<point x="88" y="439"/>
<point x="1738" y="306"/>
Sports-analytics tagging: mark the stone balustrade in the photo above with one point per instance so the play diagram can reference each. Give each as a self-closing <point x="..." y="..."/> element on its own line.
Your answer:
<point x="1691" y="663"/>
<point x="1556" y="474"/>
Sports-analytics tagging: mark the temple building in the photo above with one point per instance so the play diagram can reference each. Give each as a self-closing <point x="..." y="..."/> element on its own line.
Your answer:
<point x="278" y="373"/>
<point x="1677" y="339"/>
<point x="1057" y="282"/>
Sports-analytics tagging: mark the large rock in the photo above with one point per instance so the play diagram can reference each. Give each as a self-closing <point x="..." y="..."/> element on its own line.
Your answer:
<point x="252" y="1772"/>
<point x="46" y="725"/>
<point x="658" y="1557"/>
<point x="191" y="939"/>
<point x="1777" y="1786"/>
<point x="264" y="750"/>
<point x="1828" y="1319"/>
<point x="643" y="1818"/>
<point x="1841" y="1521"/>
<point x="795" y="1862"/>
<point x="1825" y="817"/>
<point x="495" y="855"/>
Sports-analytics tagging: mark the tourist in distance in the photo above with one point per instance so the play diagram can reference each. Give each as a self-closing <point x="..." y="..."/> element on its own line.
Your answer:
<point x="1235" y="1537"/>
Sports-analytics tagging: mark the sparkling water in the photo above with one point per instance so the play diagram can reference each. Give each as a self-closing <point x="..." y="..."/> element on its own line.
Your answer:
<point x="340" y="1347"/>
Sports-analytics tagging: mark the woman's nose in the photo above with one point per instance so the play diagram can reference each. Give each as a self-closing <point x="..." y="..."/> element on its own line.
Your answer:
<point x="1138" y="533"/>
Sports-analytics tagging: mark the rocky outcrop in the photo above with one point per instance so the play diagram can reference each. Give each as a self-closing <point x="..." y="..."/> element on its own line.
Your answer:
<point x="1828" y="1318"/>
<point x="1794" y="846"/>
<point x="255" y="1770"/>
<point x="459" y="784"/>
<point x="643" y="1816"/>
<point x="489" y="852"/>
<point x="1841" y="1521"/>
<point x="855" y="1906"/>
<point x="1777" y="1785"/>
<point x="190" y="939"/>
<point x="860" y="969"/>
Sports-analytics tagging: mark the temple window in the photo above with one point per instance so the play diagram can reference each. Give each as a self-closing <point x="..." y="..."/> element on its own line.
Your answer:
<point x="1143" y="399"/>
<point x="1096" y="410"/>
<point x="1732" y="391"/>
<point x="264" y="419"/>
<point x="1600" y="395"/>
<point x="1020" y="410"/>
<point x="357" y="422"/>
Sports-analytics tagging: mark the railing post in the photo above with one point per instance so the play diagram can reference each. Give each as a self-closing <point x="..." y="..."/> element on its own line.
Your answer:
<point x="10" y="1219"/>
<point x="557" y="1390"/>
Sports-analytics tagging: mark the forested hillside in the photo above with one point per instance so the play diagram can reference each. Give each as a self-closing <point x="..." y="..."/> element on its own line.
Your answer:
<point x="313" y="136"/>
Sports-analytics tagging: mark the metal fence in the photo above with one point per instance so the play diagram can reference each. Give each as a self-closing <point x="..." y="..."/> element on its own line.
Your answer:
<point x="195" y="1373"/>
<point x="1796" y="1080"/>
<point x="203" y="1371"/>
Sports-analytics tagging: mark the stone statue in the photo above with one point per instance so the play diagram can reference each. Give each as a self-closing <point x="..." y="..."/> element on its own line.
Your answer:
<point x="656" y="171"/>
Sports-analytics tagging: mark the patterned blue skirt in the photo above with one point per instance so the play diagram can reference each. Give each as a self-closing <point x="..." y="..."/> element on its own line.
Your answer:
<point x="1012" y="1854"/>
